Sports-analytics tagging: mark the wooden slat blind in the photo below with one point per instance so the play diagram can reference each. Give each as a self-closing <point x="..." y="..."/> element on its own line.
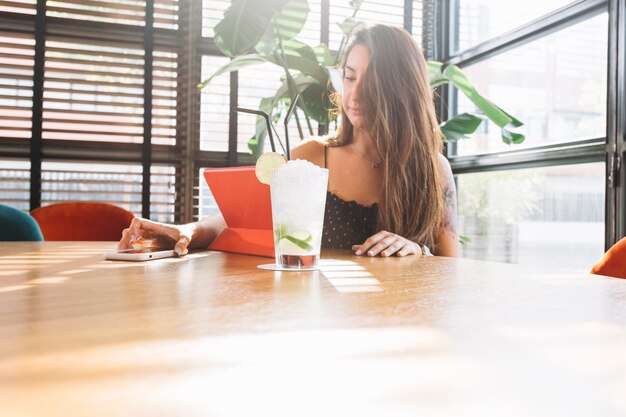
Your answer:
<point x="214" y="107"/>
<point x="111" y="183"/>
<point x="164" y="94"/>
<point x="73" y="73"/>
<point x="163" y="202"/>
<point x="16" y="72"/>
<point x="212" y="13"/>
<point x="379" y="11"/>
<point x="93" y="91"/>
<point x="129" y="12"/>
<point x="166" y="14"/>
<point x="18" y="6"/>
<point x="15" y="183"/>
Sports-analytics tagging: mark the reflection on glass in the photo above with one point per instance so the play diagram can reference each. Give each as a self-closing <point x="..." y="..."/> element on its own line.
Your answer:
<point x="480" y="20"/>
<point x="555" y="85"/>
<point x="552" y="217"/>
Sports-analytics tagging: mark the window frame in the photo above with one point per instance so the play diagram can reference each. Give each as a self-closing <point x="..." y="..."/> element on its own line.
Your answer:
<point x="608" y="149"/>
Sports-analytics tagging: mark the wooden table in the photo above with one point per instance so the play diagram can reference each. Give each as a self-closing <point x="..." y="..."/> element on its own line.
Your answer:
<point x="211" y="335"/>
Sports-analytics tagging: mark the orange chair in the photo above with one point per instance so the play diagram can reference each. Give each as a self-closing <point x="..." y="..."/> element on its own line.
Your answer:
<point x="82" y="221"/>
<point x="613" y="263"/>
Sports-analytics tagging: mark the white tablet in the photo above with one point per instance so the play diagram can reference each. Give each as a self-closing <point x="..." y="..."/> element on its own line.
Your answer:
<point x="142" y="254"/>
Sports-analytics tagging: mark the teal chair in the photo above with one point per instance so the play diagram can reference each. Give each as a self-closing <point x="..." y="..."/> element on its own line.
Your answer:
<point x="15" y="225"/>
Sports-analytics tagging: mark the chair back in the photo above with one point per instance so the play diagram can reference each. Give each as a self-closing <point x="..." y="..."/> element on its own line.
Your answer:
<point x="76" y="221"/>
<point x="613" y="263"/>
<point x="15" y="225"/>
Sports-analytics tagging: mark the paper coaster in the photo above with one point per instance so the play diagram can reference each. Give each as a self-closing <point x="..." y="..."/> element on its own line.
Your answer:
<point x="274" y="267"/>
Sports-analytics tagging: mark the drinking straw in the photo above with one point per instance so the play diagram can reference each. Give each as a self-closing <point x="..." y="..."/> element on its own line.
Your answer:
<point x="267" y="123"/>
<point x="286" y="121"/>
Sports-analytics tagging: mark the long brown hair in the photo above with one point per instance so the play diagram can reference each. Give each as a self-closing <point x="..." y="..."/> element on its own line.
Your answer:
<point x="397" y="103"/>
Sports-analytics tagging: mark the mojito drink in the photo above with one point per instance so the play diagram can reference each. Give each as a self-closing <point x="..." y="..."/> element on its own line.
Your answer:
<point x="298" y="191"/>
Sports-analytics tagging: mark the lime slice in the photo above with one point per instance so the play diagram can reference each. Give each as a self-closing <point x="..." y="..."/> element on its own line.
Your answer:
<point x="280" y="232"/>
<point x="291" y="246"/>
<point x="300" y="243"/>
<point x="302" y="235"/>
<point x="266" y="163"/>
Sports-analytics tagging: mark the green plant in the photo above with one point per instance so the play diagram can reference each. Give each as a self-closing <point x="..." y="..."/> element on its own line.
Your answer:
<point x="254" y="32"/>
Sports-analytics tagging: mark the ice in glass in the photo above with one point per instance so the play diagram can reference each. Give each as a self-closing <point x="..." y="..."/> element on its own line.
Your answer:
<point x="298" y="191"/>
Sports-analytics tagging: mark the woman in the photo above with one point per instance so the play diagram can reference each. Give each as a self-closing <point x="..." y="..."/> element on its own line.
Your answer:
<point x="391" y="191"/>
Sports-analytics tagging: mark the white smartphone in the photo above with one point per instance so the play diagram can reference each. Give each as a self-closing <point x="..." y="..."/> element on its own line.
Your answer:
<point x="138" y="255"/>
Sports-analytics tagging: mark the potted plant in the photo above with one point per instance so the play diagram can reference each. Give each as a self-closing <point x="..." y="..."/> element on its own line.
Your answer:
<point x="254" y="32"/>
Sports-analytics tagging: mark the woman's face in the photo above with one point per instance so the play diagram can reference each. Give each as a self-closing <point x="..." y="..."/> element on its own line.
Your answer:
<point x="356" y="64"/>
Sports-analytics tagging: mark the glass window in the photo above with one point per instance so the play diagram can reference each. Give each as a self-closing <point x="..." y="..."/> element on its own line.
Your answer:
<point x="480" y="20"/>
<point x="552" y="217"/>
<point x="311" y="31"/>
<point x="255" y="83"/>
<point x="163" y="193"/>
<point x="94" y="92"/>
<point x="132" y="12"/>
<point x="212" y="13"/>
<point x="166" y="14"/>
<point x="19" y="6"/>
<point x="380" y="11"/>
<point x="418" y="23"/>
<point x="118" y="184"/>
<point x="214" y="106"/>
<point x="164" y="98"/>
<point x="555" y="85"/>
<point x="15" y="183"/>
<point x="207" y="205"/>
<point x="16" y="85"/>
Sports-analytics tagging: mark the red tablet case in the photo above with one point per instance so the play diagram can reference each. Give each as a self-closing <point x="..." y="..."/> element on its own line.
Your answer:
<point x="246" y="206"/>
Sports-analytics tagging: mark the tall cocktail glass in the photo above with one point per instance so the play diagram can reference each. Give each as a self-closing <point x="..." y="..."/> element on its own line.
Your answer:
<point x="298" y="191"/>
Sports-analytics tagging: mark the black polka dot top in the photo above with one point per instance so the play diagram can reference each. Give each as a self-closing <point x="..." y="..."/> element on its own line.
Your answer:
<point x="347" y="223"/>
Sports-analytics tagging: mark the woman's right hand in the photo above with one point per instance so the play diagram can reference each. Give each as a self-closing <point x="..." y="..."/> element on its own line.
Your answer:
<point x="162" y="235"/>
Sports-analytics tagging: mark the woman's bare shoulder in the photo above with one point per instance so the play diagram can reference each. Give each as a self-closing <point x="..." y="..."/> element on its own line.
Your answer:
<point x="311" y="149"/>
<point x="444" y="166"/>
<point x="443" y="162"/>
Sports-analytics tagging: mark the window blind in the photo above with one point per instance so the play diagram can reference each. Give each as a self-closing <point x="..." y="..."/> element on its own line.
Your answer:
<point x="93" y="91"/>
<point x="16" y="84"/>
<point x="18" y="6"/>
<point x="93" y="94"/>
<point x="118" y="184"/>
<point x="15" y="183"/>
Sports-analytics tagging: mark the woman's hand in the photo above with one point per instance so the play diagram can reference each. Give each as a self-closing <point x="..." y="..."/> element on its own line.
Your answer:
<point x="161" y="235"/>
<point x="387" y="244"/>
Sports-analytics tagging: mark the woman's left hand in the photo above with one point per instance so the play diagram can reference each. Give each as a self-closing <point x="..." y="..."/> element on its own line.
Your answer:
<point x="387" y="244"/>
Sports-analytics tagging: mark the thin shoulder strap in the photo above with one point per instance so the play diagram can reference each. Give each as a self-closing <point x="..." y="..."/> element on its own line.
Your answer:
<point x="325" y="148"/>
